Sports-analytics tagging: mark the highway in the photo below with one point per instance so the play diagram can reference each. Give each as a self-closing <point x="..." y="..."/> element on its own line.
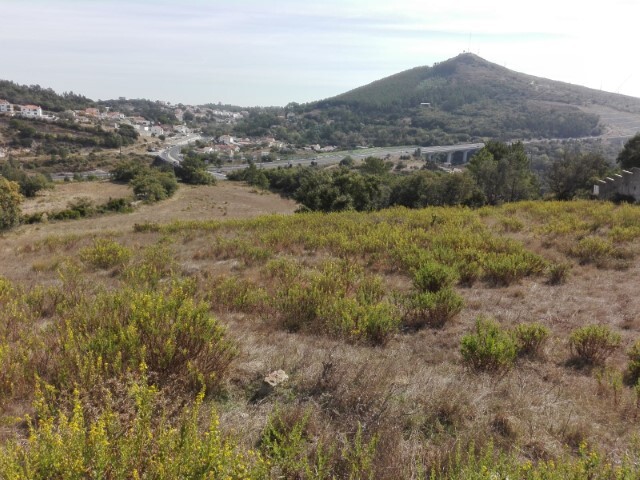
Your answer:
<point x="171" y="154"/>
<point x="329" y="158"/>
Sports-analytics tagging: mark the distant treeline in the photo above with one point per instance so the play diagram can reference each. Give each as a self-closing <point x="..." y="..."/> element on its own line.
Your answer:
<point x="498" y="173"/>
<point x="46" y="98"/>
<point x="23" y="132"/>
<point x="154" y="111"/>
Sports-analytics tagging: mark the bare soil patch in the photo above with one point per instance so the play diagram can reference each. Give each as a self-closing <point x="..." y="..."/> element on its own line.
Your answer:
<point x="65" y="193"/>
<point x="225" y="200"/>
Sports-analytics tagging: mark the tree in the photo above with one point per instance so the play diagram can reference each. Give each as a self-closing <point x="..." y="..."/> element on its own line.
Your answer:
<point x="629" y="157"/>
<point x="193" y="170"/>
<point x="9" y="204"/>
<point x="427" y="188"/>
<point x="126" y="170"/>
<point x="127" y="133"/>
<point x="153" y="185"/>
<point x="30" y="185"/>
<point x="575" y="173"/>
<point x="375" y="166"/>
<point x="347" y="161"/>
<point x="503" y="173"/>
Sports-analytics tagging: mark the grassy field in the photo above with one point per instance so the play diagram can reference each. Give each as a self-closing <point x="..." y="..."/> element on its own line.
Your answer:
<point x="442" y="341"/>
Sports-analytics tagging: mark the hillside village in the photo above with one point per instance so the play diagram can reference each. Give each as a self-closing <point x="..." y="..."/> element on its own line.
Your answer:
<point x="226" y="146"/>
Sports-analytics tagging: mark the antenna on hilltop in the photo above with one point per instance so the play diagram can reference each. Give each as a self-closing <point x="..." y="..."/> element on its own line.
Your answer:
<point x="625" y="81"/>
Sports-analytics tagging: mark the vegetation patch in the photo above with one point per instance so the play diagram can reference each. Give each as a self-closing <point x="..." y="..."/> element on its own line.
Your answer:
<point x="592" y="344"/>
<point x="490" y="348"/>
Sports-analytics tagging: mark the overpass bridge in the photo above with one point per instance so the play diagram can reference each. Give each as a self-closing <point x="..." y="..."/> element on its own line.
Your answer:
<point x="465" y="148"/>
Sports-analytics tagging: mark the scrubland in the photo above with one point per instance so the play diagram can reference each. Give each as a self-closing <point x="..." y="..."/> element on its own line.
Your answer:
<point x="434" y="343"/>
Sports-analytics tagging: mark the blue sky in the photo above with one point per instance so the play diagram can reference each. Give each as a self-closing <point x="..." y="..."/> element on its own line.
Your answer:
<point x="249" y="52"/>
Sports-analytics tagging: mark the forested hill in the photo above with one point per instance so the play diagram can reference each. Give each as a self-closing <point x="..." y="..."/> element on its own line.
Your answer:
<point x="46" y="98"/>
<point x="468" y="98"/>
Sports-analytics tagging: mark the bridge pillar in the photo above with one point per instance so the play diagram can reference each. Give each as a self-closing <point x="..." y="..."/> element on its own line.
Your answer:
<point x="449" y="157"/>
<point x="465" y="156"/>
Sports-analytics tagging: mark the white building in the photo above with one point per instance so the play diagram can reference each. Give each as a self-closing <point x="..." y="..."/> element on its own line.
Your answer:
<point x="226" y="139"/>
<point x="5" y="107"/>
<point x="157" y="130"/>
<point x="31" y="111"/>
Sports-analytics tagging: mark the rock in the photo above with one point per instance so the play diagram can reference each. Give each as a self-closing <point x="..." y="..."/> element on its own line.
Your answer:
<point x="276" y="377"/>
<point x="269" y="383"/>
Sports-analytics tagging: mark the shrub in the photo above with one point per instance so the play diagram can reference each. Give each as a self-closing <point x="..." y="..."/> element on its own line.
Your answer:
<point x="504" y="269"/>
<point x="288" y="444"/>
<point x="153" y="185"/>
<point x="374" y="322"/>
<point x="69" y="445"/>
<point x="236" y="295"/>
<point x="490" y="348"/>
<point x="105" y="254"/>
<point x="298" y="307"/>
<point x="634" y="362"/>
<point x="432" y="276"/>
<point x="120" y="205"/>
<point x="530" y="338"/>
<point x="592" y="344"/>
<point x="10" y="199"/>
<point x="593" y="250"/>
<point x="433" y="309"/>
<point x="165" y="329"/>
<point x="469" y="272"/>
<point x="558" y="273"/>
<point x="156" y="262"/>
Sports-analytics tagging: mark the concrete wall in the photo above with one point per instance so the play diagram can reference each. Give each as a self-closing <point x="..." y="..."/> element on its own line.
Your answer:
<point x="625" y="184"/>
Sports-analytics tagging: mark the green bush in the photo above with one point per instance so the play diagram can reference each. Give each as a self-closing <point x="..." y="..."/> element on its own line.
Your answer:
<point x="634" y="362"/>
<point x="469" y="272"/>
<point x="73" y="445"/>
<point x="164" y="329"/>
<point x="433" y="309"/>
<point x="234" y="294"/>
<point x="432" y="276"/>
<point x="152" y="185"/>
<point x="593" y="250"/>
<point x="490" y="348"/>
<point x="289" y="446"/>
<point x="558" y="273"/>
<point x="530" y="338"/>
<point x="504" y="269"/>
<point x="105" y="254"/>
<point x="10" y="199"/>
<point x="592" y="344"/>
<point x="373" y="322"/>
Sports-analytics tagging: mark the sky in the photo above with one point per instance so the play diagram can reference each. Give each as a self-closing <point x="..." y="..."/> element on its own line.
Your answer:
<point x="272" y="52"/>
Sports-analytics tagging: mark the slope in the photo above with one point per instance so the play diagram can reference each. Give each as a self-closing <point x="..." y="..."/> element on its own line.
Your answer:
<point x="464" y="98"/>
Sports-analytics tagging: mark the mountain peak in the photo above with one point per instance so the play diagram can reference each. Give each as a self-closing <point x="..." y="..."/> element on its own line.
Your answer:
<point x="469" y="97"/>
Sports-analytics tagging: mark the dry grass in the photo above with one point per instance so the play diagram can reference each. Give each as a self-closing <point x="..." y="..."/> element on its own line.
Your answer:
<point x="414" y="393"/>
<point x="62" y="194"/>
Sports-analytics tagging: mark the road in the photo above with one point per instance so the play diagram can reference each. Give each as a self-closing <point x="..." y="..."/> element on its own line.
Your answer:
<point x="330" y="158"/>
<point x="171" y="154"/>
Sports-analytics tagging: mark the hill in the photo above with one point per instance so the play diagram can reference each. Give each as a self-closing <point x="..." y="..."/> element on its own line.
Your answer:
<point x="462" y="99"/>
<point x="153" y="331"/>
<point x="46" y="98"/>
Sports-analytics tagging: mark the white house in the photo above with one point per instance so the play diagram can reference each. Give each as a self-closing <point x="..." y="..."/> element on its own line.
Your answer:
<point x="5" y="107"/>
<point x="31" y="111"/>
<point x="157" y="130"/>
<point x="226" y="139"/>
